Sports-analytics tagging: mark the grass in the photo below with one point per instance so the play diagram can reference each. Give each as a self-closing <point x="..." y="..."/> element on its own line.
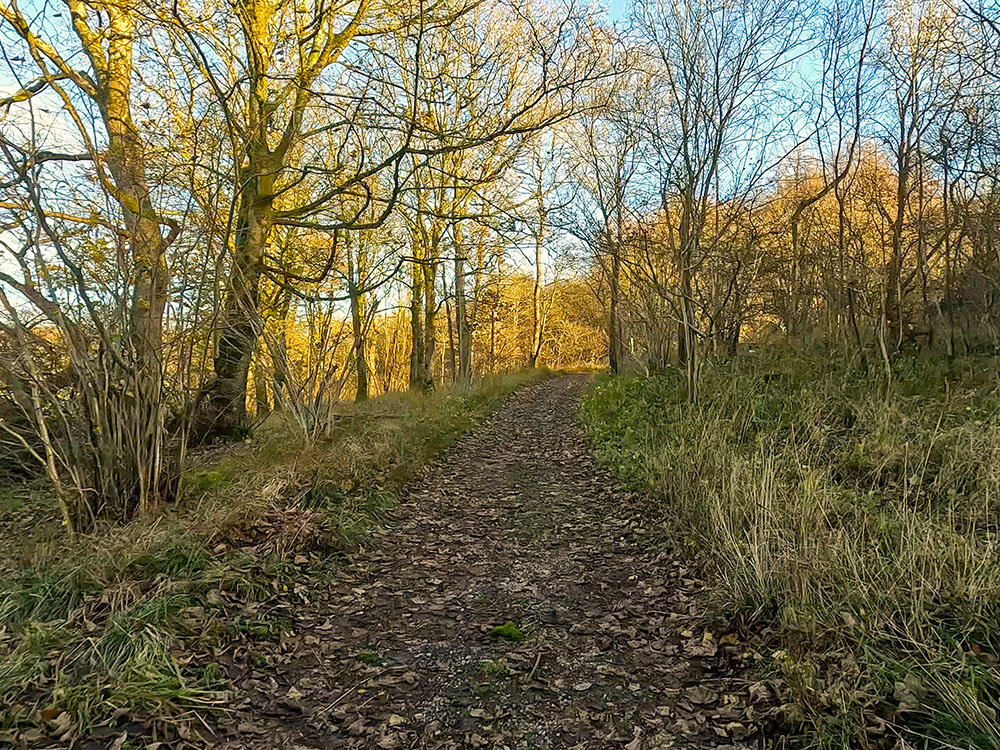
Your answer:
<point x="856" y="522"/>
<point x="493" y="668"/>
<point x="126" y="624"/>
<point x="370" y="657"/>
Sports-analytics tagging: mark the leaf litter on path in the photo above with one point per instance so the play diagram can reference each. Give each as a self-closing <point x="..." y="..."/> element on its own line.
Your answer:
<point x="514" y="529"/>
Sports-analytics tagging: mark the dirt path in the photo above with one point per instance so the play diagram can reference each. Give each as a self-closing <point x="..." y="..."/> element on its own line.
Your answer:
<point x="515" y="524"/>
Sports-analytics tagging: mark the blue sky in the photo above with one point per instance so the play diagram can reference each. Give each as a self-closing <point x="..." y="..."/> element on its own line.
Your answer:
<point x="616" y="9"/>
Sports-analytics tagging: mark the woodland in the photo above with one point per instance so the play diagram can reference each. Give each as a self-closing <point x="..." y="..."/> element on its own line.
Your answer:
<point x="271" y="269"/>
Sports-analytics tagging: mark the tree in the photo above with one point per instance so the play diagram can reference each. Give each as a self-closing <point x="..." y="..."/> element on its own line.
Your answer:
<point x="120" y="383"/>
<point x="713" y="67"/>
<point x="606" y="168"/>
<point x="921" y="77"/>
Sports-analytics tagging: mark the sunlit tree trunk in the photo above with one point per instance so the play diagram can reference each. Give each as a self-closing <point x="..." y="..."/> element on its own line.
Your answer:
<point x="430" y="320"/>
<point x="265" y="145"/>
<point x="538" y="285"/>
<point x="262" y="406"/>
<point x="127" y="163"/>
<point x="285" y="317"/>
<point x="223" y="409"/>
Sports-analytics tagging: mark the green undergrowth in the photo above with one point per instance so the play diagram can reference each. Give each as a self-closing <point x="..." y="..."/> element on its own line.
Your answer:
<point x="126" y="625"/>
<point x="855" y="523"/>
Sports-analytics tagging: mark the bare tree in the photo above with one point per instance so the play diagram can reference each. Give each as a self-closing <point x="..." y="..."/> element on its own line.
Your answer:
<point x="714" y="117"/>
<point x="83" y="73"/>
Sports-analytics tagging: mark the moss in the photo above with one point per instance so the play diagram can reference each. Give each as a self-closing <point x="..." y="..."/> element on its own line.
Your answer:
<point x="508" y="631"/>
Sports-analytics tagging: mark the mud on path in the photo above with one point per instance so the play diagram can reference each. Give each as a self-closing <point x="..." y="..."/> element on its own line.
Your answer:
<point x="514" y="525"/>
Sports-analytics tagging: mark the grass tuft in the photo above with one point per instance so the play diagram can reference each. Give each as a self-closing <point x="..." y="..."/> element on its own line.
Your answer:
<point x="370" y="657"/>
<point x="493" y="668"/>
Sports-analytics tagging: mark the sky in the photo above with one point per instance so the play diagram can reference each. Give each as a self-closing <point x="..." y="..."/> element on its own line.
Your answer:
<point x="616" y="9"/>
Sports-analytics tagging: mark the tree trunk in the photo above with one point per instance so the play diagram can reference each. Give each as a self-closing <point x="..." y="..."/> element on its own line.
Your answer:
<point x="359" y="319"/>
<point x="686" y="353"/>
<point x="416" y="322"/>
<point x="949" y="279"/>
<point x="261" y="405"/>
<point x="462" y="331"/>
<point x="452" y="351"/>
<point x="537" y="321"/>
<point x="280" y="388"/>
<point x="127" y="164"/>
<point x="147" y="247"/>
<point x="893" y="333"/>
<point x="430" y="322"/>
<point x="223" y="411"/>
<point x="614" y="325"/>
<point x="734" y="338"/>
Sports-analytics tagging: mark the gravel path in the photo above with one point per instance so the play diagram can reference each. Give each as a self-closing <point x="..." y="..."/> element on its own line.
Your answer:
<point x="410" y="646"/>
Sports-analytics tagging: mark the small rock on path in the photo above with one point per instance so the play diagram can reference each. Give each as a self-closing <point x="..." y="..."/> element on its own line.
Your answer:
<point x="514" y="525"/>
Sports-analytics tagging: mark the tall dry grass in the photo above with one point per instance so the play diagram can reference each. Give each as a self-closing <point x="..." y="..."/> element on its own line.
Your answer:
<point x="857" y="521"/>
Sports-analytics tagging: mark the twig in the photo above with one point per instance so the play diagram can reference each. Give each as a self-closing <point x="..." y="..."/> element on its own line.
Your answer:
<point x="538" y="660"/>
<point x="352" y="689"/>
